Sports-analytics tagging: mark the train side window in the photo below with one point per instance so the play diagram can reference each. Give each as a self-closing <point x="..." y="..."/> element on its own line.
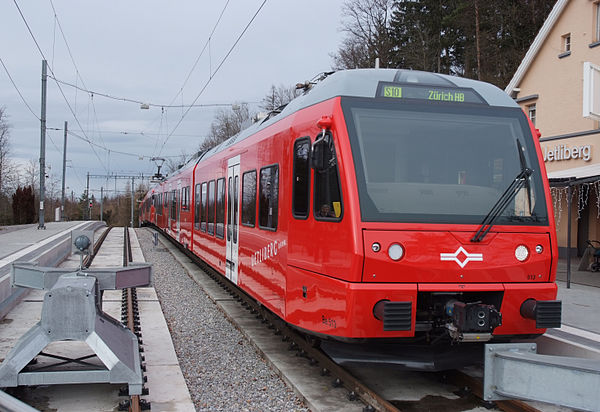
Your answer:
<point x="185" y="198"/>
<point x="203" y="208"/>
<point x="165" y="203"/>
<point x="328" y="196"/>
<point x="249" y="199"/>
<point x="197" y="206"/>
<point x="301" y="183"/>
<point x="220" y="231"/>
<point x="174" y="204"/>
<point x="236" y="200"/>
<point x="177" y="204"/>
<point x="211" y="207"/>
<point x="268" y="195"/>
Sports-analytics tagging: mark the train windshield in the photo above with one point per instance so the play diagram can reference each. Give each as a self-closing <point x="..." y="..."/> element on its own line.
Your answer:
<point x="442" y="162"/>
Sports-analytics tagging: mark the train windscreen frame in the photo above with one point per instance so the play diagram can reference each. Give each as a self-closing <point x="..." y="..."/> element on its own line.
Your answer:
<point x="441" y="162"/>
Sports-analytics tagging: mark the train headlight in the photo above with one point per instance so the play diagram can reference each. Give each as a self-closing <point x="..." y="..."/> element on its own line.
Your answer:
<point x="521" y="253"/>
<point x="539" y="249"/>
<point x="395" y="251"/>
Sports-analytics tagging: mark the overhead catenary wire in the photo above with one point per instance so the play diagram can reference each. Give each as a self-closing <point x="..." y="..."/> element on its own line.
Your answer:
<point x="18" y="91"/>
<point x="77" y="72"/>
<point x="212" y="74"/>
<point x="136" y="101"/>
<point x="91" y="142"/>
<point x="58" y="84"/>
<point x="206" y="44"/>
<point x="180" y="91"/>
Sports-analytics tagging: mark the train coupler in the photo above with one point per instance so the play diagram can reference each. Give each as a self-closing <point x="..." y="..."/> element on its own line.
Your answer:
<point x="471" y="322"/>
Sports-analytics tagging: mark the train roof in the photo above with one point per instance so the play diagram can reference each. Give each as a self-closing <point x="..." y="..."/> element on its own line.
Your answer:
<point x="365" y="83"/>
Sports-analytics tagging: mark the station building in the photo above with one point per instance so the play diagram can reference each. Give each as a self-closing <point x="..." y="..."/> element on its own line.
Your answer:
<point x="558" y="86"/>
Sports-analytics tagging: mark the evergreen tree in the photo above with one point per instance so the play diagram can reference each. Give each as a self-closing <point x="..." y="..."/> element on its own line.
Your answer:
<point x="23" y="205"/>
<point x="472" y="38"/>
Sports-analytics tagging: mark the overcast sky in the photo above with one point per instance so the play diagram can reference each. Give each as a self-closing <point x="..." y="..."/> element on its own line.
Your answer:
<point x="144" y="51"/>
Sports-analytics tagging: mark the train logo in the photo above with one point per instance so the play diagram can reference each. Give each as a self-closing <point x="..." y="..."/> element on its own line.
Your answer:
<point x="468" y="257"/>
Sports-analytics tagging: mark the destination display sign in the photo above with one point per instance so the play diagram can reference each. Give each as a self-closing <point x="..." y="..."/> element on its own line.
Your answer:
<point x="432" y="93"/>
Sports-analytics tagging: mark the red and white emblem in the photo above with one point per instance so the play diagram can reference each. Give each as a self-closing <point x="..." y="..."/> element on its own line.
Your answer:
<point x="462" y="257"/>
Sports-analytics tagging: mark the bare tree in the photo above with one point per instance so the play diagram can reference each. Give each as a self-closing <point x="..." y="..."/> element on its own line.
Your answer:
<point x="227" y="123"/>
<point x="174" y="163"/>
<point x="366" y="24"/>
<point x="278" y="96"/>
<point x="31" y="175"/>
<point x="5" y="164"/>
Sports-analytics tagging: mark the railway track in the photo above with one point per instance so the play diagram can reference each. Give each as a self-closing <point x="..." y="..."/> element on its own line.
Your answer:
<point x="357" y="389"/>
<point x="129" y="317"/>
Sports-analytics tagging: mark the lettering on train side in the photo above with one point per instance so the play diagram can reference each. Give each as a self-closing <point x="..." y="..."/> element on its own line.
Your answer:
<point x="267" y="252"/>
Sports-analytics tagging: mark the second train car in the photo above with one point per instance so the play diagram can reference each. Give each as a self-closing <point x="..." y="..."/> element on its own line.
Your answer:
<point x="385" y="204"/>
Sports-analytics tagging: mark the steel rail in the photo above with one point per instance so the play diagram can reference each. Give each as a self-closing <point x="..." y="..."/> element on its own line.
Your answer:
<point x="90" y="258"/>
<point x="134" y="400"/>
<point x="476" y="387"/>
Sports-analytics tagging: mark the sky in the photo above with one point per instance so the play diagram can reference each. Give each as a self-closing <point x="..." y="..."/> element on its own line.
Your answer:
<point x="157" y="52"/>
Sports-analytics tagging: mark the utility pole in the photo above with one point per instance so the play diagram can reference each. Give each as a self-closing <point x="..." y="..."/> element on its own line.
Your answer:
<point x="101" y="203"/>
<point x="87" y="199"/>
<point x="43" y="145"/>
<point x="132" y="196"/>
<point x="62" y="199"/>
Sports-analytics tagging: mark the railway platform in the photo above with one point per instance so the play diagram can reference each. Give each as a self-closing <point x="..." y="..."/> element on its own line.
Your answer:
<point x="167" y="390"/>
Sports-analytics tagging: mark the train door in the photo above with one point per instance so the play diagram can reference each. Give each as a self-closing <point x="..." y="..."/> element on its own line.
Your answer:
<point x="233" y="218"/>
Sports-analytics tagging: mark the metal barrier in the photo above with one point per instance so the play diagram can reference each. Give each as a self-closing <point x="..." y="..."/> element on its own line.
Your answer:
<point x="515" y="370"/>
<point x="72" y="311"/>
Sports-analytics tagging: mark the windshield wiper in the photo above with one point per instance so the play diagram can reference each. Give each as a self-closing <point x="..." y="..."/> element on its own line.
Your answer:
<point x="508" y="195"/>
<point x="523" y="167"/>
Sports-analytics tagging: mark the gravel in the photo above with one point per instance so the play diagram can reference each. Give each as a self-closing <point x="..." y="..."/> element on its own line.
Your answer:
<point x="222" y="369"/>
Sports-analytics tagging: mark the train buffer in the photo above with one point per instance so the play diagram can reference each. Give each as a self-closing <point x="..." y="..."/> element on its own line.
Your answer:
<point x="516" y="371"/>
<point x="72" y="311"/>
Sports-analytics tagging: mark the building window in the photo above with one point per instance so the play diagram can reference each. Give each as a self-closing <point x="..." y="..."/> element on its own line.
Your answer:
<point x="220" y="229"/>
<point x="566" y="46"/>
<point x="301" y="183"/>
<point x="531" y="111"/>
<point x="268" y="204"/>
<point x="597" y="21"/>
<point x="249" y="198"/>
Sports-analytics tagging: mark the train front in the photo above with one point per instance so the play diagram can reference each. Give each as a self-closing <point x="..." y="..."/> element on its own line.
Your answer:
<point x="457" y="228"/>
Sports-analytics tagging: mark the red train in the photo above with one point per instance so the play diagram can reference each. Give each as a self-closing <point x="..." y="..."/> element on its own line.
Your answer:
<point x="379" y="204"/>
